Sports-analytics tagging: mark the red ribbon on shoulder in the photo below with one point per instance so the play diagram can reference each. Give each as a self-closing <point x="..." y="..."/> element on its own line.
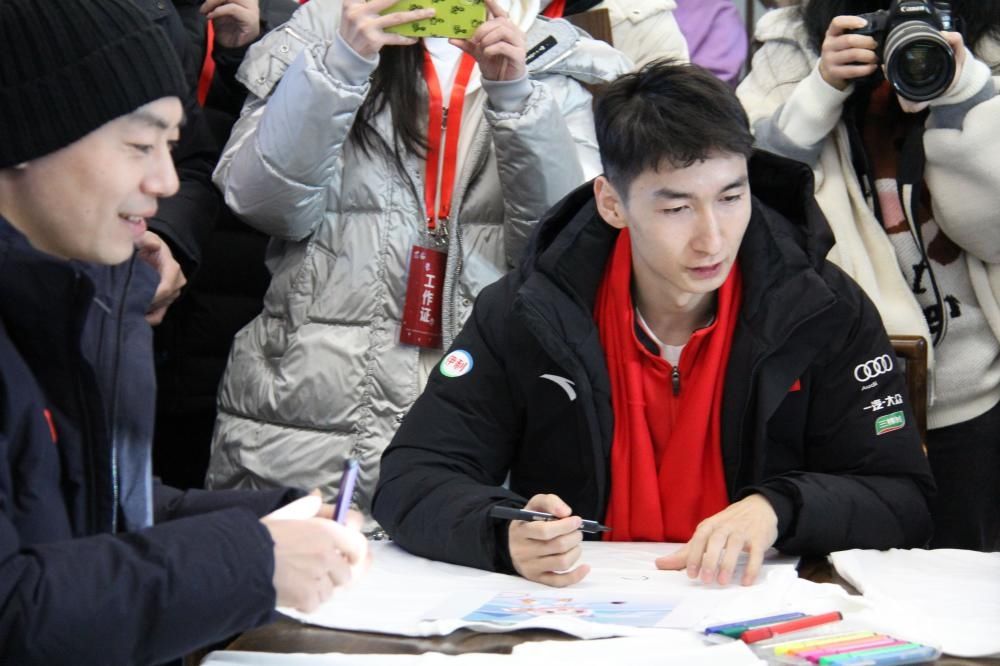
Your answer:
<point x="556" y="9"/>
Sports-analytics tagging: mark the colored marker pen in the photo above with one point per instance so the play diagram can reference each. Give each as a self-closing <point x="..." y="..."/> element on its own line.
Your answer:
<point x="814" y="653"/>
<point x="862" y="655"/>
<point x="807" y="622"/>
<point x="743" y="625"/>
<point x="801" y="643"/>
<point x="346" y="493"/>
<point x="917" y="655"/>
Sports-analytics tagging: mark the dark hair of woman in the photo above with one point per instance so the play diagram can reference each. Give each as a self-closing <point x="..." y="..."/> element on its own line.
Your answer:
<point x="980" y="18"/>
<point x="396" y="84"/>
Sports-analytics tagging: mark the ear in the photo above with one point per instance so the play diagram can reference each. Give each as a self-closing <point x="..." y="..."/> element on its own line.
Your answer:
<point x="610" y="205"/>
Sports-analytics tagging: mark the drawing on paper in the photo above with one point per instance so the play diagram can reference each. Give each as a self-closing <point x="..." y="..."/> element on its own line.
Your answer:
<point x="514" y="607"/>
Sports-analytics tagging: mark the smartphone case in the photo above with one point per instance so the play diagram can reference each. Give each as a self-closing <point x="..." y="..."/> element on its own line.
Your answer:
<point x="454" y="18"/>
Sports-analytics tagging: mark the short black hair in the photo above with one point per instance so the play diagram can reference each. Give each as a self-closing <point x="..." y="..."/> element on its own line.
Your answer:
<point x="670" y="113"/>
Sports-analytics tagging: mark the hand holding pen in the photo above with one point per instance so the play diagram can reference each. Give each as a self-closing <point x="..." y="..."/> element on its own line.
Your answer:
<point x="546" y="551"/>
<point x="313" y="555"/>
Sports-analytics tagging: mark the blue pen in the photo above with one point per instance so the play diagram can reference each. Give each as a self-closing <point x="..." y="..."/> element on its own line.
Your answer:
<point x="747" y="624"/>
<point x="346" y="493"/>
<point x="917" y="655"/>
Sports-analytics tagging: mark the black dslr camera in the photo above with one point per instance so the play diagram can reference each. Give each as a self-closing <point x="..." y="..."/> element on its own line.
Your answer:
<point x="919" y="62"/>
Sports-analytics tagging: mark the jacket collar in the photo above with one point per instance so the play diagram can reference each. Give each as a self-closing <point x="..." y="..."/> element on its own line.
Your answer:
<point x="32" y="280"/>
<point x="36" y="290"/>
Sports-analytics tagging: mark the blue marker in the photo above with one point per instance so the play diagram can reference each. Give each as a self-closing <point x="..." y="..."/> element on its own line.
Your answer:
<point x="343" y="502"/>
<point x="738" y="628"/>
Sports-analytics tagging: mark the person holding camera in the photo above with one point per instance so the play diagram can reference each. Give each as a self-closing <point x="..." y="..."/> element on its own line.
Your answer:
<point x="894" y="105"/>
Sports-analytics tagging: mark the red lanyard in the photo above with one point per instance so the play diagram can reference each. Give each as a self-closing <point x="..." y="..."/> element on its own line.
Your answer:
<point x="555" y="9"/>
<point x="437" y="195"/>
<point x="208" y="65"/>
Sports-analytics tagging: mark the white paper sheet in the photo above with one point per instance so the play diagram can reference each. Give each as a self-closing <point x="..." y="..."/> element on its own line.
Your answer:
<point x="676" y="647"/>
<point x="947" y="598"/>
<point x="412" y="596"/>
<point x="239" y="658"/>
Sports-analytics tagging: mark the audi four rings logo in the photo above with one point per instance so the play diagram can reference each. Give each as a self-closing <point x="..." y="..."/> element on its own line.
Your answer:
<point x="873" y="368"/>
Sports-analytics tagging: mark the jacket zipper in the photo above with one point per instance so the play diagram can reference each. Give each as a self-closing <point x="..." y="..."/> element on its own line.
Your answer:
<point x="477" y="162"/>
<point x="113" y="426"/>
<point x="675" y="379"/>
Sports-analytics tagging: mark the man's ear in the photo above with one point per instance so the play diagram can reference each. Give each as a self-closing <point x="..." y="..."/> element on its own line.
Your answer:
<point x="610" y="205"/>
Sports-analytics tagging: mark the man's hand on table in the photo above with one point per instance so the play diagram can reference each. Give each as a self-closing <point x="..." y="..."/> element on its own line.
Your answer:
<point x="545" y="551"/>
<point x="750" y="526"/>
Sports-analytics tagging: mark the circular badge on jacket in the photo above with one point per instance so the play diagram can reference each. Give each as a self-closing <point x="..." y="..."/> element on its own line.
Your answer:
<point x="456" y="363"/>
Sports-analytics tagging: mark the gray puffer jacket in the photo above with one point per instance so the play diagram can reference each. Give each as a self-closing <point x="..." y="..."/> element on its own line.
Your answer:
<point x="320" y="375"/>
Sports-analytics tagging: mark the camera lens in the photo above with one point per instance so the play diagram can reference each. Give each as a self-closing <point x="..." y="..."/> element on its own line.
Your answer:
<point x="920" y="63"/>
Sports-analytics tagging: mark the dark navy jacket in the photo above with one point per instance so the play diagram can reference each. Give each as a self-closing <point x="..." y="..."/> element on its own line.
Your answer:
<point x="76" y="412"/>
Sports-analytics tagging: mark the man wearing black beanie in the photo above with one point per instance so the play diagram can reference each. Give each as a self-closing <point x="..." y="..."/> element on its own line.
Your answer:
<point x="99" y="564"/>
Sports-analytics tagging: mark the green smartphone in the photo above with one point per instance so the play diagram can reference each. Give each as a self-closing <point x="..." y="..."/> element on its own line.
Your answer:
<point x="454" y="18"/>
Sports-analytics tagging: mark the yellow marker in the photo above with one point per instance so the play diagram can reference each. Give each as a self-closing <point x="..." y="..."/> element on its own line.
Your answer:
<point x="792" y="646"/>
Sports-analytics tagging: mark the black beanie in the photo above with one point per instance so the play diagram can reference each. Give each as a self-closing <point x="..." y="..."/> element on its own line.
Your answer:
<point x="69" y="66"/>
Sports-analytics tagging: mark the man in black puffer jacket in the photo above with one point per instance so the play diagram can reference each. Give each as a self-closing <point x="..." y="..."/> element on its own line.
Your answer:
<point x="674" y="357"/>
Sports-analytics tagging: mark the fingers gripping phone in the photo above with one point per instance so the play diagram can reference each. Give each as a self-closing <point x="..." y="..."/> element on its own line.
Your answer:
<point x="453" y="18"/>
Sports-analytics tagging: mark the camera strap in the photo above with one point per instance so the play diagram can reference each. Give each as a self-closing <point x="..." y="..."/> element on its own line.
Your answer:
<point x="854" y="113"/>
<point x="910" y="181"/>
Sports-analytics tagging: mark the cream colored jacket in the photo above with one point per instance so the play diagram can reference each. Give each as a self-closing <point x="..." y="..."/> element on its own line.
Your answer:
<point x="794" y="112"/>
<point x="645" y="30"/>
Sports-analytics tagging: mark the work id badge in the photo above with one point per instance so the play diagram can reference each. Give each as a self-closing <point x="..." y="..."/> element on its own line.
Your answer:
<point x="424" y="290"/>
